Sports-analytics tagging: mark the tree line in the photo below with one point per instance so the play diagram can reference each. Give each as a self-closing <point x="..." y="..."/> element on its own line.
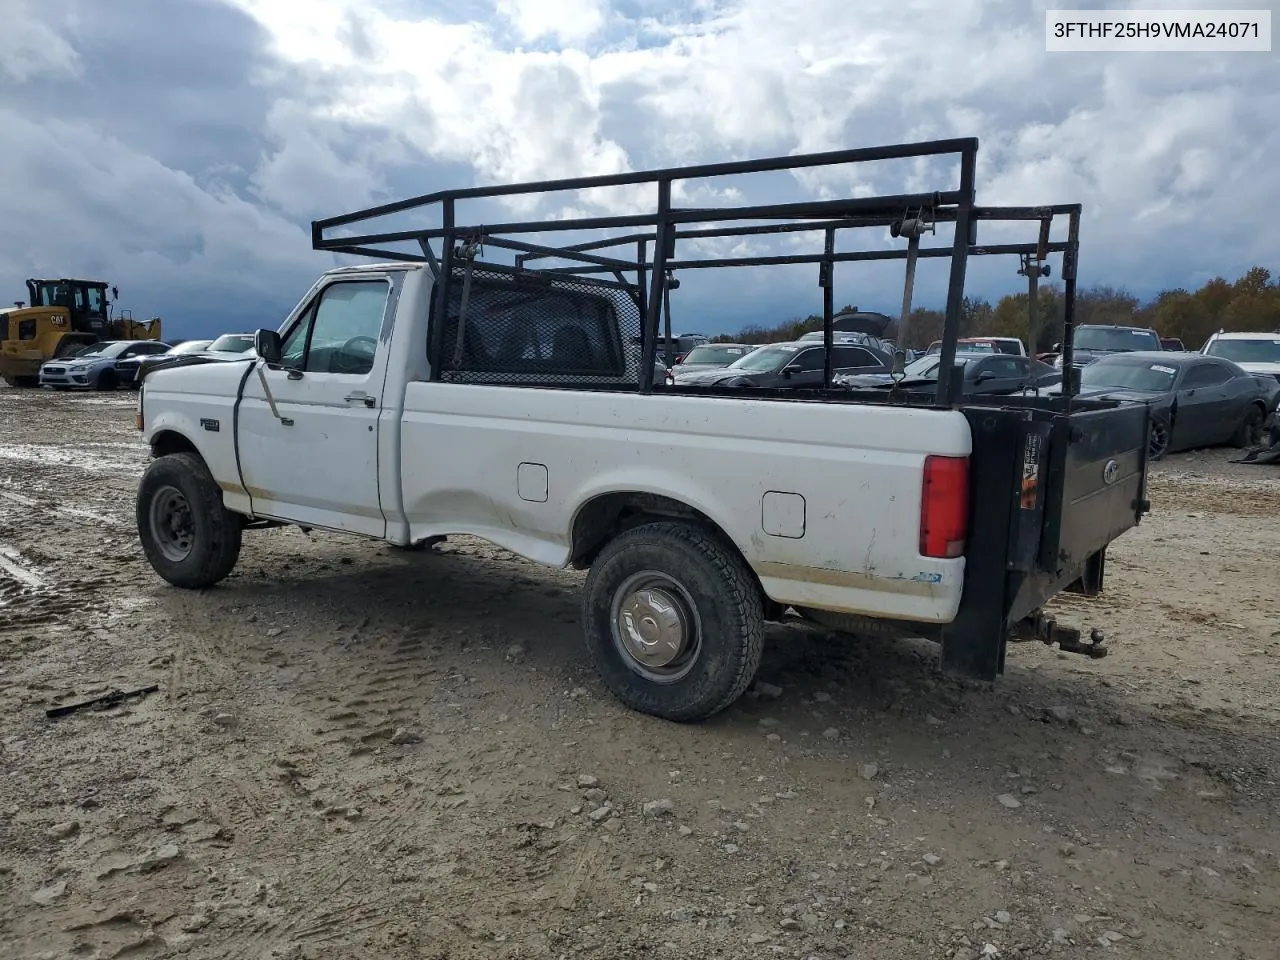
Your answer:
<point x="1251" y="303"/>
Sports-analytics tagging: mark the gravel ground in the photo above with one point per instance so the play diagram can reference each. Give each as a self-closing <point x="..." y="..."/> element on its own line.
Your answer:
<point x="355" y="751"/>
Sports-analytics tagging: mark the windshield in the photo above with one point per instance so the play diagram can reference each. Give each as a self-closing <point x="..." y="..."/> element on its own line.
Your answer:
<point x="1142" y="375"/>
<point x="713" y="355"/>
<point x="233" y="343"/>
<point x="107" y="349"/>
<point x="1260" y="350"/>
<point x="927" y="366"/>
<point x="1116" y="339"/>
<point x="766" y="358"/>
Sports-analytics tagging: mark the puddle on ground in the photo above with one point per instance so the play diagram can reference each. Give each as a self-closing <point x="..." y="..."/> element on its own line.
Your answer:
<point x="51" y="456"/>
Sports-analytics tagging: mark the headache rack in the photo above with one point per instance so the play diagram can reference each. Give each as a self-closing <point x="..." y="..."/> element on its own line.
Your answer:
<point x="630" y="270"/>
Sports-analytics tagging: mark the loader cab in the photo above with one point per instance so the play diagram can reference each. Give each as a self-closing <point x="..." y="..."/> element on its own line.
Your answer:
<point x="86" y="301"/>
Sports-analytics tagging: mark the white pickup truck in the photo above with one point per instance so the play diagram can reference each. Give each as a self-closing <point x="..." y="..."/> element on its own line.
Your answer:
<point x="700" y="514"/>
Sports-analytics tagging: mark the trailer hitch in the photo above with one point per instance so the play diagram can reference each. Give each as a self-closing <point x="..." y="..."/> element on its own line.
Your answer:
<point x="1048" y="631"/>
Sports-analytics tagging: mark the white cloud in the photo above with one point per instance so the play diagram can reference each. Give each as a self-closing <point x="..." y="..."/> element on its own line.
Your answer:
<point x="571" y="21"/>
<point x="165" y="228"/>
<point x="33" y="45"/>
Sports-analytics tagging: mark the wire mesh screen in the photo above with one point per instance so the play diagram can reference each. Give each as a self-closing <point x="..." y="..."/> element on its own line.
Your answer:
<point x="531" y="328"/>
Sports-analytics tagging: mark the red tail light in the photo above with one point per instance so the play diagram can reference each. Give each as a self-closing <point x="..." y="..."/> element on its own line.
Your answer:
<point x="944" y="507"/>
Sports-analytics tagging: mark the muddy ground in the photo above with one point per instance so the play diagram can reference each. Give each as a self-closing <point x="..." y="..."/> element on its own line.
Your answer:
<point x="359" y="752"/>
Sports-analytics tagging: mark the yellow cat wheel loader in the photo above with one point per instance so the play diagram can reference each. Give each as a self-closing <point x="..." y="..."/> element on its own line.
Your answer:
<point x="63" y="317"/>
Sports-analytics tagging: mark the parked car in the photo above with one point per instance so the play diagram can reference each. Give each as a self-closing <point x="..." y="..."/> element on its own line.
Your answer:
<point x="183" y="349"/>
<point x="795" y="364"/>
<point x="709" y="356"/>
<point x="883" y="347"/>
<point x="101" y="366"/>
<point x="1009" y="345"/>
<point x="1253" y="352"/>
<point x="679" y="346"/>
<point x="229" y="346"/>
<point x="1094" y="340"/>
<point x="1196" y="400"/>
<point x="1172" y="343"/>
<point x="985" y="374"/>
<point x="238" y="343"/>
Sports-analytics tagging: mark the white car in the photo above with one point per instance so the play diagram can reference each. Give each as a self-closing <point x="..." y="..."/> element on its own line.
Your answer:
<point x="1257" y="353"/>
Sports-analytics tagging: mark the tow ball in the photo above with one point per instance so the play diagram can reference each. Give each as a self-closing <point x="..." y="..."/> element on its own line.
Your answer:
<point x="1047" y="630"/>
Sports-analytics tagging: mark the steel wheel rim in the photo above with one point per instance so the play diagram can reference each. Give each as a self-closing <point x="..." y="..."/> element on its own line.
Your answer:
<point x="1159" y="438"/>
<point x="655" y="627"/>
<point x="172" y="526"/>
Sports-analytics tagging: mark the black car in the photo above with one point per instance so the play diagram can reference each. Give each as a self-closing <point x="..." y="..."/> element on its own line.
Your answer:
<point x="985" y="374"/>
<point x="1094" y="340"/>
<point x="796" y="364"/>
<point x="1196" y="401"/>
<point x="868" y="340"/>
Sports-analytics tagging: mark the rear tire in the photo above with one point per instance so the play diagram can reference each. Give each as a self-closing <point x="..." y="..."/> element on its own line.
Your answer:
<point x="189" y="537"/>
<point x="673" y="621"/>
<point x="1161" y="429"/>
<point x="1249" y="433"/>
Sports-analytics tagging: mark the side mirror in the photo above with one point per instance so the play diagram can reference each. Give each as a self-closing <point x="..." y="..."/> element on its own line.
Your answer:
<point x="1057" y="348"/>
<point x="790" y="369"/>
<point x="266" y="343"/>
<point x="984" y="376"/>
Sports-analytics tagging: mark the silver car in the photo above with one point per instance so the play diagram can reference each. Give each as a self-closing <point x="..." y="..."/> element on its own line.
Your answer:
<point x="99" y="366"/>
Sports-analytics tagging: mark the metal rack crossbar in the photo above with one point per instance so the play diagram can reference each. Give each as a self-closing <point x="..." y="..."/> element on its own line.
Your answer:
<point x="642" y="257"/>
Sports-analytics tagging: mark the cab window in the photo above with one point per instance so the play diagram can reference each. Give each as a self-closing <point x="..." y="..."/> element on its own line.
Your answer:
<point x="339" y="332"/>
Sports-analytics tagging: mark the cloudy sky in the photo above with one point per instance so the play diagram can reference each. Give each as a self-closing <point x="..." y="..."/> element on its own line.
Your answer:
<point x="179" y="148"/>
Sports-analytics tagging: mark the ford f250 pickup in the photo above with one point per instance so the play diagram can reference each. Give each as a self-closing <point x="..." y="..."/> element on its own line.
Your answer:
<point x="441" y="392"/>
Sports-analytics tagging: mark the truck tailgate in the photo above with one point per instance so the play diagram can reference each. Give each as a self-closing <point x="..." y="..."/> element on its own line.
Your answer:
<point x="1051" y="491"/>
<point x="1096" y="484"/>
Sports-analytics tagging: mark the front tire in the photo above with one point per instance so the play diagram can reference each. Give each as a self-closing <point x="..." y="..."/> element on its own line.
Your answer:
<point x="107" y="380"/>
<point x="189" y="537"/>
<point x="674" y="621"/>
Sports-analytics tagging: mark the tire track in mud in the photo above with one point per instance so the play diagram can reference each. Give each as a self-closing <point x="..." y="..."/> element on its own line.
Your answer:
<point x="393" y="822"/>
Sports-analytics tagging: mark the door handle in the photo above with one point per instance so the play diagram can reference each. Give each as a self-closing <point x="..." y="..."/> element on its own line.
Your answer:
<point x="364" y="398"/>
